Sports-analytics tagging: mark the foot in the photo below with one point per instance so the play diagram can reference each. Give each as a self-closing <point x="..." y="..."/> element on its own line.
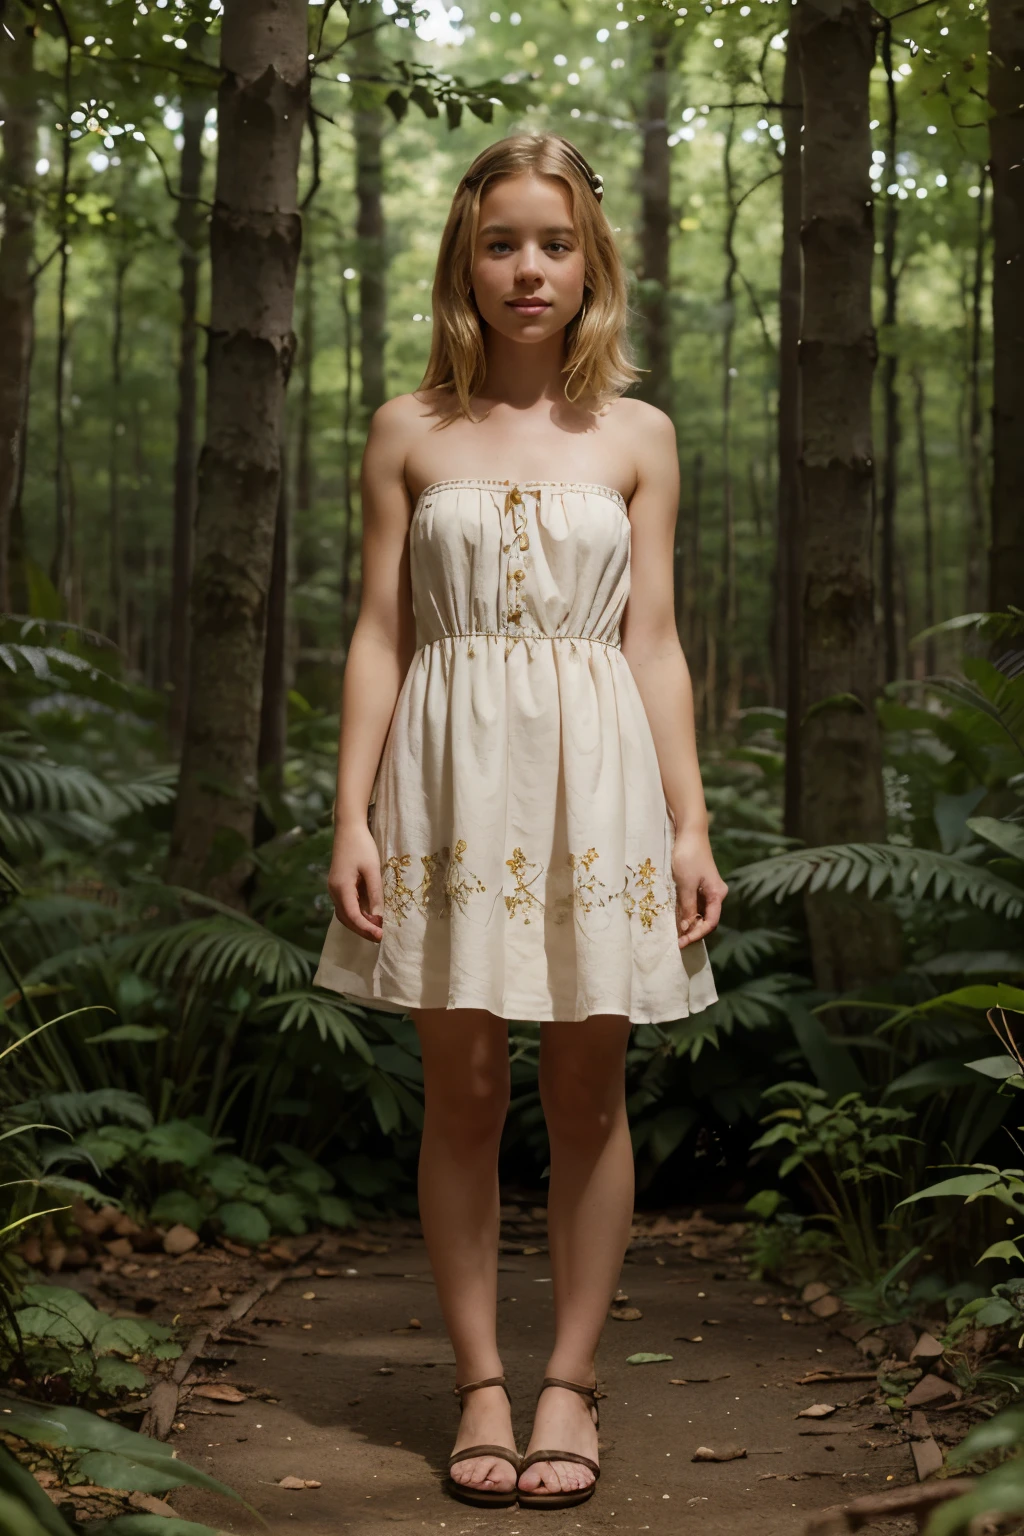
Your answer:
<point x="563" y="1420"/>
<point x="486" y="1420"/>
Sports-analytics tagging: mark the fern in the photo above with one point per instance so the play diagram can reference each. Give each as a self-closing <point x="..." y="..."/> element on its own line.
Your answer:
<point x="753" y="1004"/>
<point x="211" y="950"/>
<point x="76" y="1111"/>
<point x="744" y="950"/>
<point x="873" y="867"/>
<point x="332" y="1019"/>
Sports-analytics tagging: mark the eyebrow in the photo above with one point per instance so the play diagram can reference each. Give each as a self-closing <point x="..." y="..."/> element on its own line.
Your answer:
<point x="510" y="229"/>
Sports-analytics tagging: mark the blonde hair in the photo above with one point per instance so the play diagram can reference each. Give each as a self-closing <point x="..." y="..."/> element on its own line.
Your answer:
<point x="598" y="363"/>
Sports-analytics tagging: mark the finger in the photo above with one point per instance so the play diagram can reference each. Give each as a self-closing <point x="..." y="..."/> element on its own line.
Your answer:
<point x="697" y="929"/>
<point x="373" y="887"/>
<point x="351" y="914"/>
<point x="713" y="909"/>
<point x="687" y="904"/>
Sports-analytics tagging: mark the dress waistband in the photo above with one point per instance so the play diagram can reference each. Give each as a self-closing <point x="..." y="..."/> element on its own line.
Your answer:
<point x="513" y="636"/>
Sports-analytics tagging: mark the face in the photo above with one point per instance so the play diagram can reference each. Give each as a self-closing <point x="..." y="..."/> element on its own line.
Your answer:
<point x="528" y="266"/>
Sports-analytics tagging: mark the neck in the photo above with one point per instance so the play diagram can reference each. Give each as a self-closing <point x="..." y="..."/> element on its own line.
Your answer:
<point x="522" y="376"/>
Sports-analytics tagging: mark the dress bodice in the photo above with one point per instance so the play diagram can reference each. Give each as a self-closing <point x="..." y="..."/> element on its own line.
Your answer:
<point x="538" y="559"/>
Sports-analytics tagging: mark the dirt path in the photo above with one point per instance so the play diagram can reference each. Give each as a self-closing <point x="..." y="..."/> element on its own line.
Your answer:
<point x="356" y="1400"/>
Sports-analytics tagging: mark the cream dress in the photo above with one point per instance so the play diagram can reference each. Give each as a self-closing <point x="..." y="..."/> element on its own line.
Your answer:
<point x="525" y="841"/>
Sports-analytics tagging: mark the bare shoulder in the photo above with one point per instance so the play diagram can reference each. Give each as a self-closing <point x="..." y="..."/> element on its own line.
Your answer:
<point x="645" y="425"/>
<point x="645" y="436"/>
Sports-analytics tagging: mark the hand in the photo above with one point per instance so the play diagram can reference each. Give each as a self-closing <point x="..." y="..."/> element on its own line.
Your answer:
<point x="354" y="882"/>
<point x="700" y="889"/>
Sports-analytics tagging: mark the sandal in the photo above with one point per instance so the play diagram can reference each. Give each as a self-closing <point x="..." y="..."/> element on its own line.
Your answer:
<point x="537" y="1500"/>
<point x="492" y="1498"/>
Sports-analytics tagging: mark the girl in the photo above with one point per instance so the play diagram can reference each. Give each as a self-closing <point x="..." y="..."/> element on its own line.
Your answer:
<point x="517" y="713"/>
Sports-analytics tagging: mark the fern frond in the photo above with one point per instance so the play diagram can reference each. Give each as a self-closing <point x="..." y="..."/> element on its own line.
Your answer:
<point x="213" y="949"/>
<point x="76" y="1111"/>
<point x="751" y="1005"/>
<point x="745" y="949"/>
<point x="332" y="1019"/>
<point x="873" y="868"/>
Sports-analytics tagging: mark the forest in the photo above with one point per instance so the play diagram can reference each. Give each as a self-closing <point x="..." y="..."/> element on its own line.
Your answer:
<point x="220" y="222"/>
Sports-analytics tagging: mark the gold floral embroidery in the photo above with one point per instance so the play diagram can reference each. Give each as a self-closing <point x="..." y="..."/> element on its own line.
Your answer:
<point x="398" y="897"/>
<point x="514" y="574"/>
<point x="445" y="881"/>
<point x="522" y="896"/>
<point x="585" y="882"/>
<point x="460" y="884"/>
<point x="647" y="904"/>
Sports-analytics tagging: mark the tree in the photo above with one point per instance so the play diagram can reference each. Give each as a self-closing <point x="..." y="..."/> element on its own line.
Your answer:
<point x="842" y="798"/>
<point x="1006" y="131"/>
<point x="188" y="228"/>
<point x="17" y="281"/>
<point x="255" y="241"/>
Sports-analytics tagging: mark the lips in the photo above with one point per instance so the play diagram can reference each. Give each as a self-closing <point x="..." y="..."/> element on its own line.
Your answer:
<point x="529" y="306"/>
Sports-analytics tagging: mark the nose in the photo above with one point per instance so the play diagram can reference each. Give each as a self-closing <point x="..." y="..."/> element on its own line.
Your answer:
<point x="528" y="267"/>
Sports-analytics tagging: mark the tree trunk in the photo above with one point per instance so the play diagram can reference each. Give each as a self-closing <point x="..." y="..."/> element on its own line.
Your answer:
<point x="188" y="228"/>
<point x="788" y="587"/>
<point x="64" y="558"/>
<point x="842" y="797"/>
<point x="928" y="522"/>
<point x="654" y="298"/>
<point x="274" y="710"/>
<point x="305" y="489"/>
<point x="890" y="365"/>
<point x="117" y="427"/>
<point x="255" y="242"/>
<point x="977" y="530"/>
<point x="728" y="604"/>
<point x="368" y="125"/>
<point x="347" y="498"/>
<point x="17" y="290"/>
<point x="1006" y="138"/>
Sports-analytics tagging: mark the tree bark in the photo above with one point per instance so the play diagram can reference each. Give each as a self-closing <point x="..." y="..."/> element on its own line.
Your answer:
<point x="788" y="587"/>
<point x="274" y="708"/>
<point x="977" y="520"/>
<point x="117" y="428"/>
<point x="255" y="243"/>
<point x="1006" y="139"/>
<point x="928" y="522"/>
<point x="188" y="229"/>
<point x="842" y="795"/>
<point x="655" y="239"/>
<point x="368" y="126"/>
<point x="17" y="289"/>
<point x="728" y="601"/>
<point x="890" y="366"/>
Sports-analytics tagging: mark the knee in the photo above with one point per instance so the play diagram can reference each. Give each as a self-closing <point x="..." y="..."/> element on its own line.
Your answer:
<point x="581" y="1106"/>
<point x="470" y="1107"/>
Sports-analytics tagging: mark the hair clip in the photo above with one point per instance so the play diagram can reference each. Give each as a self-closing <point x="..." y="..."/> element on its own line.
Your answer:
<point x="597" y="183"/>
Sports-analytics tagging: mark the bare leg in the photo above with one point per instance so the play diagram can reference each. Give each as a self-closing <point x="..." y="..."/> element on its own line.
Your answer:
<point x="466" y="1083"/>
<point x="590" y="1211"/>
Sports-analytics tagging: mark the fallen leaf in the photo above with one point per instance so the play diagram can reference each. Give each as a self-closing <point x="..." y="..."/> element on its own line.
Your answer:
<point x="211" y="1298"/>
<point x="298" y="1482"/>
<point x="309" y="1295"/>
<point x="711" y="1322"/>
<point x="620" y="1298"/>
<point x="414" y="1322"/>
<point x="532" y="1250"/>
<point x="727" y="1453"/>
<point x="625" y="1314"/>
<point x="826" y="1306"/>
<point x="687" y="1338"/>
<point x="926" y="1348"/>
<point x="814" y="1291"/>
<point x="645" y="1359"/>
<point x="180" y="1239"/>
<point x="817" y="1411"/>
<point x="385" y="1370"/>
<point x="325" y="1274"/>
<point x="220" y="1391"/>
<point x="762" y="1301"/>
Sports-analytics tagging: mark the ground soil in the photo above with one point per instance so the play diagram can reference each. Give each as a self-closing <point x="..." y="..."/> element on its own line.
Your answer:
<point x="343" y="1389"/>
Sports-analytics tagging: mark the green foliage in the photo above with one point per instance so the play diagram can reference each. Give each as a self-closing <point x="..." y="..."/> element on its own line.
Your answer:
<point x="844" y="1147"/>
<point x="54" y="1333"/>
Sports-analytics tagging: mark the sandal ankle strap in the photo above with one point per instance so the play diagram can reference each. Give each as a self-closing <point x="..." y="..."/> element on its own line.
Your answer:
<point x="471" y="1386"/>
<point x="571" y="1386"/>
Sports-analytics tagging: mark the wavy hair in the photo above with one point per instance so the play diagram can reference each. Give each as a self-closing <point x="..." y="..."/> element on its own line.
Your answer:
<point x="598" y="364"/>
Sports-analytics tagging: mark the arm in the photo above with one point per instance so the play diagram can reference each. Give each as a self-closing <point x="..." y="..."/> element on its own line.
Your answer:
<point x="380" y="650"/>
<point x="650" y="644"/>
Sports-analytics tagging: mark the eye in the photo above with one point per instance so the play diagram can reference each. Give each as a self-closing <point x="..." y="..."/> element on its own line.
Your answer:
<point x="493" y="246"/>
